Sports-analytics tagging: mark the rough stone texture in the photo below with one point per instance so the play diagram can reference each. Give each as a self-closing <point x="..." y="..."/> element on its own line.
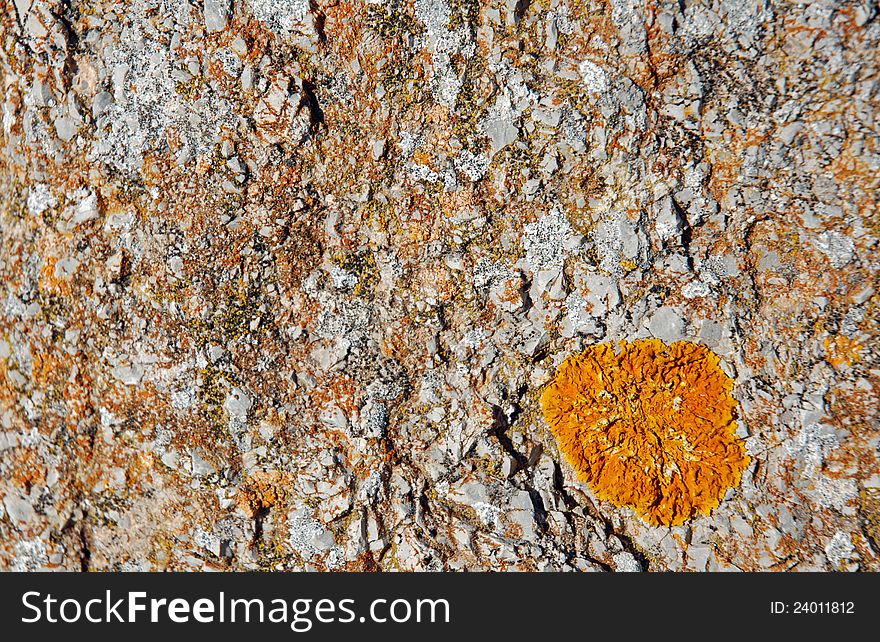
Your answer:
<point x="281" y="282"/>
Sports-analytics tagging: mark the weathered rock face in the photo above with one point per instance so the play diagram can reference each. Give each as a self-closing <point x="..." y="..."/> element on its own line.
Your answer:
<point x="282" y="281"/>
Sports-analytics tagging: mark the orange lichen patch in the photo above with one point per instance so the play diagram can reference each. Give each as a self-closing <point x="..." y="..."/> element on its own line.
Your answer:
<point x="54" y="279"/>
<point x="651" y="427"/>
<point x="28" y="469"/>
<point x="396" y="337"/>
<point x="47" y="370"/>
<point x="263" y="491"/>
<point x="841" y="350"/>
<point x="338" y="391"/>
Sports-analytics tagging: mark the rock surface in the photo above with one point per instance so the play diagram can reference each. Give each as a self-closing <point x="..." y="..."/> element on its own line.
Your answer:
<point x="281" y="282"/>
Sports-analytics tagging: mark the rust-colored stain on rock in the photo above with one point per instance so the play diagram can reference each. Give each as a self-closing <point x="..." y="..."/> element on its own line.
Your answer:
<point x="651" y="426"/>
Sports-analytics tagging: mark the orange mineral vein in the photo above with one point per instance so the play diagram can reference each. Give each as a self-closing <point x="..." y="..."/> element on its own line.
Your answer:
<point x="651" y="427"/>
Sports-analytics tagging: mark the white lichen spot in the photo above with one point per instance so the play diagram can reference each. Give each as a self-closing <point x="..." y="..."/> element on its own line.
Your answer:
<point x="838" y="248"/>
<point x="342" y="279"/>
<point x="595" y="78"/>
<point x="609" y="246"/>
<point x="285" y="16"/>
<point x="183" y="399"/>
<point x="487" y="273"/>
<point x="837" y="494"/>
<point x="29" y="555"/>
<point x="578" y="309"/>
<point x="471" y="165"/>
<point x="626" y="563"/>
<point x="548" y="240"/>
<point x="310" y="538"/>
<point x="40" y="198"/>
<point x="208" y="541"/>
<point x="150" y="108"/>
<point x="562" y="16"/>
<point x="840" y="550"/>
<point x="408" y="143"/>
<point x="441" y="42"/>
<point x="488" y="514"/>
<point x="423" y="173"/>
<point x="695" y="289"/>
<point x="811" y="445"/>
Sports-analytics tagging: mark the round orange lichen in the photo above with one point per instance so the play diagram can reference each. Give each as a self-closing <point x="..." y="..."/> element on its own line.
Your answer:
<point x="651" y="427"/>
